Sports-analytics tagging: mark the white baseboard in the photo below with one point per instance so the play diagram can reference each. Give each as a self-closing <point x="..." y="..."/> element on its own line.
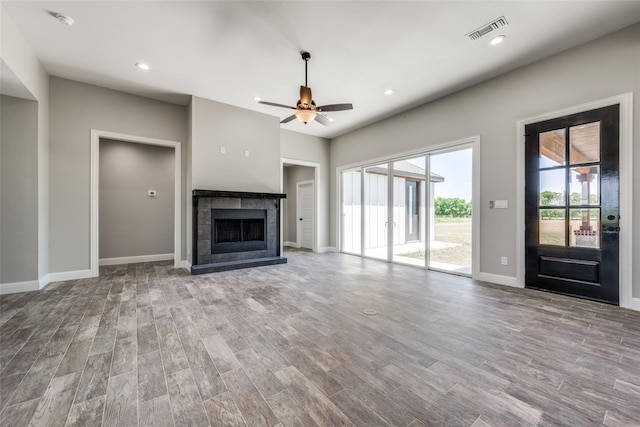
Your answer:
<point x="135" y="259"/>
<point x="291" y="244"/>
<point x="498" y="279"/>
<point x="183" y="264"/>
<point x="63" y="276"/>
<point x="15" y="287"/>
<point x="327" y="249"/>
<point x="635" y="304"/>
<point x="36" y="285"/>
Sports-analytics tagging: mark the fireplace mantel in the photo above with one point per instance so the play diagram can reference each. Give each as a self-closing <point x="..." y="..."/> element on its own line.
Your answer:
<point x="211" y="204"/>
<point x="237" y="194"/>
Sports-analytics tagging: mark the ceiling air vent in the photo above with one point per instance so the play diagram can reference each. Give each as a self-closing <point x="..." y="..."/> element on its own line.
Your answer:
<point x="486" y="29"/>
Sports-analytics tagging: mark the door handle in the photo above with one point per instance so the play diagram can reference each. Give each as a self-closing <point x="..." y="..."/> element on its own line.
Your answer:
<point x="300" y="219"/>
<point x="614" y="229"/>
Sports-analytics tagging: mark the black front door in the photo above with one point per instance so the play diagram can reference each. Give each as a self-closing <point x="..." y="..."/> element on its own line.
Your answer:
<point x="572" y="205"/>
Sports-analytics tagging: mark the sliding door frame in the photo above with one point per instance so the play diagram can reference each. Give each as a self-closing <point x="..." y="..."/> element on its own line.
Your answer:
<point x="473" y="142"/>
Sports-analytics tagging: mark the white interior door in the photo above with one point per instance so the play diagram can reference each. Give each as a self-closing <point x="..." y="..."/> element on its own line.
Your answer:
<point x="305" y="214"/>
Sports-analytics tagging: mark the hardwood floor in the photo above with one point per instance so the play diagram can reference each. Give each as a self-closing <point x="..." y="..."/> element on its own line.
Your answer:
<point x="289" y="345"/>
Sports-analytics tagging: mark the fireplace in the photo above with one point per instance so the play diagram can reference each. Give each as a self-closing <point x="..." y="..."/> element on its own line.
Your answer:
<point x="234" y="230"/>
<point x="238" y="230"/>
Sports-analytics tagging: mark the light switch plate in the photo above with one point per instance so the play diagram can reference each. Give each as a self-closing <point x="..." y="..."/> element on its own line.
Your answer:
<point x="501" y="204"/>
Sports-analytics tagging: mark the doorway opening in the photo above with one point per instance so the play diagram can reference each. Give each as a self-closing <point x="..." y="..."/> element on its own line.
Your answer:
<point x="305" y="214"/>
<point x="96" y="137"/>
<point x="300" y="209"/>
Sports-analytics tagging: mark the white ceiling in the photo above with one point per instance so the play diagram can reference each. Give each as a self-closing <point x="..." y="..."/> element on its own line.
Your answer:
<point x="231" y="51"/>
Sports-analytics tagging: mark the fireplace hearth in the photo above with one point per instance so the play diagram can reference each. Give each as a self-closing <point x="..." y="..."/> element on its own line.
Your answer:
<point x="234" y="230"/>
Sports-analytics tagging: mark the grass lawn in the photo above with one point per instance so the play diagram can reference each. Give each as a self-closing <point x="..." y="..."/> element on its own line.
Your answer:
<point x="453" y="230"/>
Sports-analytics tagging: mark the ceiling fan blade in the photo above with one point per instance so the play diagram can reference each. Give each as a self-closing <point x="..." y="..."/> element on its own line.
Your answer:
<point x="335" y="107"/>
<point x="322" y="119"/>
<point x="288" y="119"/>
<point x="273" y="104"/>
<point x="305" y="96"/>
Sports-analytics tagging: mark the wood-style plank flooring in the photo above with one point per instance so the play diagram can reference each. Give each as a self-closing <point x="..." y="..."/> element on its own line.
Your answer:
<point x="289" y="345"/>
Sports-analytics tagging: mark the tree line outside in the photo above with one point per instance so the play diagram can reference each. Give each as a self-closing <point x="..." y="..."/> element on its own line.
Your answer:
<point x="452" y="207"/>
<point x="552" y="198"/>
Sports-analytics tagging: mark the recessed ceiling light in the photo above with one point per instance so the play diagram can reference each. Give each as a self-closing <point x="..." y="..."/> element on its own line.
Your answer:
<point x="497" y="40"/>
<point x="330" y="119"/>
<point x="66" y="20"/>
<point x="257" y="98"/>
<point x="388" y="92"/>
<point x="142" y="66"/>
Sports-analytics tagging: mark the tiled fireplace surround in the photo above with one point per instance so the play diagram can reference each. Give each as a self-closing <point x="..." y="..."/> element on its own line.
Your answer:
<point x="204" y="203"/>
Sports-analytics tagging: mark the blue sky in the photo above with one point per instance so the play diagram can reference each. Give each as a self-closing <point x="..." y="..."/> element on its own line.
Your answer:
<point x="456" y="168"/>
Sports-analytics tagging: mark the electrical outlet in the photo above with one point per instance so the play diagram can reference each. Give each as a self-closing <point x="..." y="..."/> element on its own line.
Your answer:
<point x="246" y="153"/>
<point x="223" y="149"/>
<point x="504" y="260"/>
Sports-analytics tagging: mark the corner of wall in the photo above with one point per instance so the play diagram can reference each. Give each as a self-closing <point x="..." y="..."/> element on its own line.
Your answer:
<point x="188" y="186"/>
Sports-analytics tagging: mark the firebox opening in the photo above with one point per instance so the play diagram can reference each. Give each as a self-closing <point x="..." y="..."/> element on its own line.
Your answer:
<point x="238" y="230"/>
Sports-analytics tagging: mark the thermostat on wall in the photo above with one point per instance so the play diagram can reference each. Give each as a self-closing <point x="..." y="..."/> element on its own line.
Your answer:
<point x="151" y="193"/>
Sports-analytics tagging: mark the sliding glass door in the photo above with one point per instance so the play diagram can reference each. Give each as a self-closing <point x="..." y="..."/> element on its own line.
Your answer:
<point x="409" y="195"/>
<point x="351" y="189"/>
<point x="376" y="211"/>
<point x="450" y="237"/>
<point x="414" y="211"/>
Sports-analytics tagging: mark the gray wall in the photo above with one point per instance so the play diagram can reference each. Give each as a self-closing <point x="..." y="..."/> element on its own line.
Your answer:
<point x="296" y="146"/>
<point x="20" y="58"/>
<point x="605" y="67"/>
<point x="131" y="223"/>
<point x="18" y="190"/>
<point x="291" y="176"/>
<point x="76" y="108"/>
<point x="213" y="125"/>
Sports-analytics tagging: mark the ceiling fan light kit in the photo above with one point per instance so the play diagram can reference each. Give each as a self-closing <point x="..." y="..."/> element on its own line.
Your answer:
<point x="306" y="109"/>
<point x="305" y="116"/>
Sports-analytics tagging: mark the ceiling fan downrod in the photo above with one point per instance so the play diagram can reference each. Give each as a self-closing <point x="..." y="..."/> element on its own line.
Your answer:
<point x="306" y="56"/>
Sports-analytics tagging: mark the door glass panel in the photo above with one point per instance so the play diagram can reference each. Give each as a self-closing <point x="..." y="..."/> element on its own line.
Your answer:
<point x="409" y="211"/>
<point x="552" y="148"/>
<point x="552" y="187"/>
<point x="375" y="211"/>
<point x="351" y="211"/>
<point x="585" y="143"/>
<point x="584" y="185"/>
<point x="584" y="228"/>
<point x="450" y="224"/>
<point x="552" y="227"/>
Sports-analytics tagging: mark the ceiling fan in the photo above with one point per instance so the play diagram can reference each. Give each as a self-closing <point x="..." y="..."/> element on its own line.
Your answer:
<point x="306" y="110"/>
